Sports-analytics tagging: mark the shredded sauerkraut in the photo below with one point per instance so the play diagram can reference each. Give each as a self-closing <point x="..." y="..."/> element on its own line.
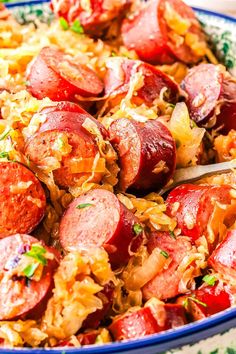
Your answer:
<point x="82" y="274"/>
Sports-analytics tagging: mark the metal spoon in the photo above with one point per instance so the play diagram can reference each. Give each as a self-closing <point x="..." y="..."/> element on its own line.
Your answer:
<point x="194" y="173"/>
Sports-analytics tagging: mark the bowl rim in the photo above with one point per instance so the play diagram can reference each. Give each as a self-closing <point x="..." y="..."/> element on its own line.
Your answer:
<point x="198" y="9"/>
<point x="198" y="328"/>
<point x="171" y="335"/>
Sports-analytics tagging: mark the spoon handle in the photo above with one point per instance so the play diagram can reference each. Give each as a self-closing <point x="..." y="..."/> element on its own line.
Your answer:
<point x="194" y="173"/>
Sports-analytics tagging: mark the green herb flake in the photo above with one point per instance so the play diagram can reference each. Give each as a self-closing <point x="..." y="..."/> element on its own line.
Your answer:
<point x="63" y="23"/>
<point x="164" y="254"/>
<point x="194" y="299"/>
<point x="138" y="229"/>
<point x="230" y="351"/>
<point x="4" y="155"/>
<point x="185" y="303"/>
<point x="216" y="351"/>
<point x="5" y="134"/>
<point x="30" y="269"/>
<point x="172" y="235"/>
<point x="61" y="143"/>
<point x="37" y="252"/>
<point x="84" y="205"/>
<point x="113" y="54"/>
<point x="171" y="105"/>
<point x="209" y="279"/>
<point x="77" y="28"/>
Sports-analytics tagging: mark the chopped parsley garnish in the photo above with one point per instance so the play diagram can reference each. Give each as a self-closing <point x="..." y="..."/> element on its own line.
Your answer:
<point x="5" y="134"/>
<point x="172" y="105"/>
<point x="84" y="205"/>
<point x="76" y="27"/>
<point x="172" y="235"/>
<point x="60" y="143"/>
<point x="194" y="299"/>
<point x="209" y="279"/>
<point x="37" y="252"/>
<point x="138" y="229"/>
<point x="63" y="23"/>
<point x="164" y="254"/>
<point x="30" y="269"/>
<point x="113" y="54"/>
<point x="4" y="154"/>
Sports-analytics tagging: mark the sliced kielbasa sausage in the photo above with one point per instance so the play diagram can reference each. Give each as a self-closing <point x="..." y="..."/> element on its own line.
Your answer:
<point x="165" y="285"/>
<point x="86" y="338"/>
<point x="154" y="317"/>
<point x="26" y="282"/>
<point x="94" y="15"/>
<point x="211" y="96"/>
<point x="194" y="205"/>
<point x="146" y="151"/>
<point x="223" y="258"/>
<point x="120" y="72"/>
<point x="63" y="137"/>
<point x="206" y="301"/>
<point x="97" y="219"/>
<point x="106" y="295"/>
<point x="163" y="31"/>
<point x="56" y="75"/>
<point x="175" y="316"/>
<point x="135" y="324"/>
<point x="22" y="199"/>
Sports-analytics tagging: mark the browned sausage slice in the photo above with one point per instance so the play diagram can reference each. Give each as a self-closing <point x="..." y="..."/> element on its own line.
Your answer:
<point x="135" y="324"/>
<point x="206" y="301"/>
<point x="165" y="30"/>
<point x="94" y="15"/>
<point x="223" y="258"/>
<point x="26" y="268"/>
<point x="120" y="72"/>
<point x="146" y="152"/>
<point x="63" y="129"/>
<point x="97" y="219"/>
<point x="193" y="206"/>
<point x="175" y="315"/>
<point x="56" y="75"/>
<point x="22" y="199"/>
<point x="165" y="285"/>
<point x="211" y="96"/>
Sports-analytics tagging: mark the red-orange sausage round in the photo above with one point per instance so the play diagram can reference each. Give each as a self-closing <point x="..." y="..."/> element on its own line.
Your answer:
<point x="56" y="75"/>
<point x="209" y="300"/>
<point x="223" y="258"/>
<point x="21" y="297"/>
<point x="97" y="219"/>
<point x="118" y="77"/>
<point x="94" y="16"/>
<point x="22" y="199"/>
<point x="193" y="206"/>
<point x="146" y="151"/>
<point x="67" y="118"/>
<point x="149" y="34"/>
<point x="135" y="324"/>
<point x="211" y="96"/>
<point x="165" y="284"/>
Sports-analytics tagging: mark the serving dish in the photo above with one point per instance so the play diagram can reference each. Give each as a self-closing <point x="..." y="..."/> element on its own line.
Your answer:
<point x="222" y="31"/>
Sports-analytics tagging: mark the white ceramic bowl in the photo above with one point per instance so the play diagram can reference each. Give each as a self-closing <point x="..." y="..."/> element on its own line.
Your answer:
<point x="222" y="6"/>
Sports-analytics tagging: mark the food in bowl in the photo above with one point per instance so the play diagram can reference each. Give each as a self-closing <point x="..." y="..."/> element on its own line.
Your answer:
<point x="98" y="110"/>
